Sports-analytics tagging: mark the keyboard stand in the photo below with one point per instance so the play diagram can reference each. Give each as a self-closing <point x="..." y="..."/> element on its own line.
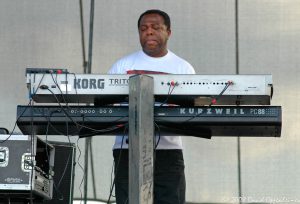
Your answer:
<point x="141" y="136"/>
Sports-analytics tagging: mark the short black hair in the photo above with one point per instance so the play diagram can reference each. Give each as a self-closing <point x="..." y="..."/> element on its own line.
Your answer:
<point x="163" y="14"/>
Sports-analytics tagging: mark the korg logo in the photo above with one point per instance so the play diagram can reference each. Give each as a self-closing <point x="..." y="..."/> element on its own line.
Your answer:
<point x="89" y="83"/>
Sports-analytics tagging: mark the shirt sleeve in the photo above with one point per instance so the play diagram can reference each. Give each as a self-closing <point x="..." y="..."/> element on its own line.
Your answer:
<point x="192" y="70"/>
<point x="189" y="68"/>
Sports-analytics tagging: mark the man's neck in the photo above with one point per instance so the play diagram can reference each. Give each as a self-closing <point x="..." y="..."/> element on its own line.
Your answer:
<point x="157" y="55"/>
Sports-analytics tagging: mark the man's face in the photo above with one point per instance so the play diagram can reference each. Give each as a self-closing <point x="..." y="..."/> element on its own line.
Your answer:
<point x="154" y="35"/>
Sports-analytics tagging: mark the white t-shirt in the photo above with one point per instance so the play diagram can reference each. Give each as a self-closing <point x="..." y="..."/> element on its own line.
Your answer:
<point x="171" y="64"/>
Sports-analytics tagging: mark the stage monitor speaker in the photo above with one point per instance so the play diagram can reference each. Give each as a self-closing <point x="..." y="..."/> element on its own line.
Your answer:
<point x="26" y="168"/>
<point x="64" y="164"/>
<point x="63" y="179"/>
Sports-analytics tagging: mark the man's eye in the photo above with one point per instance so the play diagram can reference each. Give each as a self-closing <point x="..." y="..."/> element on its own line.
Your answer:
<point x="143" y="28"/>
<point x="156" y="27"/>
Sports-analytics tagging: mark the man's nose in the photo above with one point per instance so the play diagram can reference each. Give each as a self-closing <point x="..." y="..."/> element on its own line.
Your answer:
<point x="149" y="31"/>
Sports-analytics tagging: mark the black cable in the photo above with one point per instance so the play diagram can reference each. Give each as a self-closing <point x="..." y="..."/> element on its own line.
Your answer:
<point x="117" y="166"/>
<point x="79" y="138"/>
<point x="221" y="93"/>
<point x="49" y="123"/>
<point x="206" y="134"/>
<point x="38" y="87"/>
<point x="61" y="93"/>
<point x="80" y="125"/>
<point x="115" y="127"/>
<point x="28" y="105"/>
<point x="217" y="98"/>
<point x="170" y="91"/>
<point x="69" y="156"/>
<point x="15" y="125"/>
<point x="95" y="131"/>
<point x="31" y="138"/>
<point x="158" y="140"/>
<point x="10" y="134"/>
<point x="81" y="167"/>
<point x="76" y="93"/>
<point x="168" y="95"/>
<point x="111" y="180"/>
<point x="68" y="160"/>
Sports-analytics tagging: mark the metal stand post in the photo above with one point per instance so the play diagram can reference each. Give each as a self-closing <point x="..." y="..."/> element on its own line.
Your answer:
<point x="88" y="141"/>
<point x="141" y="134"/>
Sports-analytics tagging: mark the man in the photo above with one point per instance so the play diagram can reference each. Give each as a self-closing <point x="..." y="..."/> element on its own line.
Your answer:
<point x="169" y="179"/>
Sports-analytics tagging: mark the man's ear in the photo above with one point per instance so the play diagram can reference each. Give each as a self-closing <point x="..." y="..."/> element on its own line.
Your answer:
<point x="169" y="32"/>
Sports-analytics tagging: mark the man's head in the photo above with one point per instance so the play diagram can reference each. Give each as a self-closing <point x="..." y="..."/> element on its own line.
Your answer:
<point x="154" y="31"/>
